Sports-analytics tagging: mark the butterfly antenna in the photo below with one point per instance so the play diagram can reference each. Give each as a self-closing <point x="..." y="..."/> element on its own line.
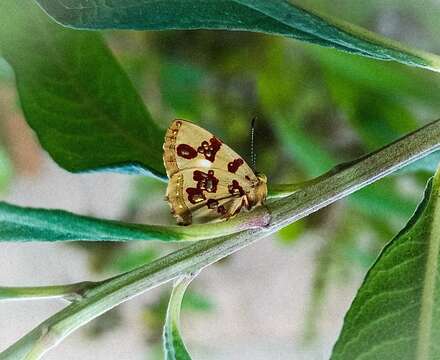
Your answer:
<point x="253" y="155"/>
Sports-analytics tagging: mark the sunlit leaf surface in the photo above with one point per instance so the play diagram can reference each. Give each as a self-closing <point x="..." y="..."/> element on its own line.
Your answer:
<point x="395" y="314"/>
<point x="76" y="97"/>
<point x="280" y="17"/>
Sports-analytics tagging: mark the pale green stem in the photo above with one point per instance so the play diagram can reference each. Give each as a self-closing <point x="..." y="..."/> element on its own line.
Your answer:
<point x="172" y="340"/>
<point x="330" y="188"/>
<point x="69" y="292"/>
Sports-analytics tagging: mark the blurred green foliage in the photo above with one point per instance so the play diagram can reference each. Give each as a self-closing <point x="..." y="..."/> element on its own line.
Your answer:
<point x="5" y="171"/>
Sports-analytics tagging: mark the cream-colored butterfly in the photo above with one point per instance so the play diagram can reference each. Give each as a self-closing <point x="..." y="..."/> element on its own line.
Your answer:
<point x="207" y="179"/>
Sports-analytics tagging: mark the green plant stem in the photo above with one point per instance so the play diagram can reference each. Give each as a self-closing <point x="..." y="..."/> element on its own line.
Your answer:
<point x="69" y="292"/>
<point x="327" y="189"/>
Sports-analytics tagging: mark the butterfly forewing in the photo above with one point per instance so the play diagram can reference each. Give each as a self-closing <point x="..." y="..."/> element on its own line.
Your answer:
<point x="208" y="180"/>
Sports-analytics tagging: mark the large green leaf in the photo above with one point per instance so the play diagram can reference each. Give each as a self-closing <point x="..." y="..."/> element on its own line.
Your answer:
<point x="76" y="97"/>
<point x="396" y="313"/>
<point x="173" y="344"/>
<point x="278" y="17"/>
<point x="29" y="224"/>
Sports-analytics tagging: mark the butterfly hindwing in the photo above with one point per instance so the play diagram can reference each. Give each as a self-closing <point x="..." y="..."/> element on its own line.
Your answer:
<point x="208" y="180"/>
<point x="206" y="194"/>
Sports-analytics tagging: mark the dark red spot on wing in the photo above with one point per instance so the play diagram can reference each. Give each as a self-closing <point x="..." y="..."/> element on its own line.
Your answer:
<point x="186" y="151"/>
<point x="195" y="195"/>
<point x="247" y="178"/>
<point x="234" y="165"/>
<point x="209" y="150"/>
<point x="206" y="181"/>
<point x="235" y="189"/>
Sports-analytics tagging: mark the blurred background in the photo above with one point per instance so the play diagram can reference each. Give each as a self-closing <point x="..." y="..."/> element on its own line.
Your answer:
<point x="284" y="297"/>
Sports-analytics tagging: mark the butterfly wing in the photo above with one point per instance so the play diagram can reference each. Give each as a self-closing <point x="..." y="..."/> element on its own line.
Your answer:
<point x="204" y="195"/>
<point x="207" y="178"/>
<point x="190" y="146"/>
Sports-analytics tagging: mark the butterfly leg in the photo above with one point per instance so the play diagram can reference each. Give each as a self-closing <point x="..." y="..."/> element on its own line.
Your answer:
<point x="236" y="207"/>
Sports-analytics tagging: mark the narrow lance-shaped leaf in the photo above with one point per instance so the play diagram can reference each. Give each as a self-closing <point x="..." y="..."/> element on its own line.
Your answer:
<point x="23" y="224"/>
<point x="278" y="17"/>
<point x="396" y="312"/>
<point x="173" y="344"/>
<point x="81" y="104"/>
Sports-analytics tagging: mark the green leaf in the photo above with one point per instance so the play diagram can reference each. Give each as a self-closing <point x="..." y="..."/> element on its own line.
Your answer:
<point x="395" y="314"/>
<point x="174" y="347"/>
<point x="76" y="97"/>
<point x="5" y="170"/>
<point x="279" y="17"/>
<point x="6" y="72"/>
<point x="29" y="224"/>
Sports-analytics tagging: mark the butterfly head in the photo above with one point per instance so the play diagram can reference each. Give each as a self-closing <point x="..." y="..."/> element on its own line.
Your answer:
<point x="261" y="177"/>
<point x="259" y="194"/>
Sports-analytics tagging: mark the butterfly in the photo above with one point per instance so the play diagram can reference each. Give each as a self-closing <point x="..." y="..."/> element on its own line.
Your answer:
<point x="207" y="180"/>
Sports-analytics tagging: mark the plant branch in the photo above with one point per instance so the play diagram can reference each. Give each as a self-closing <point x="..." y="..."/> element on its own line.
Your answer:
<point x="330" y="187"/>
